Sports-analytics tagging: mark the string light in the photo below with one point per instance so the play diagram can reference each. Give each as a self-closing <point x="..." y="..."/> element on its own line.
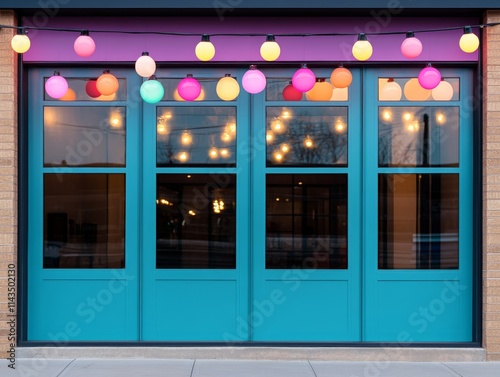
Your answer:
<point x="189" y="88"/>
<point x="341" y="77"/>
<point x="227" y="88"/>
<point x="107" y="84"/>
<point x="362" y="50"/>
<point x="429" y="77"/>
<point x="253" y="80"/>
<point x="321" y="91"/>
<point x="205" y="50"/>
<point x="56" y="86"/>
<point x="145" y="66"/>
<point x="270" y="49"/>
<point x="20" y="42"/>
<point x="411" y="47"/>
<point x="303" y="79"/>
<point x="84" y="45"/>
<point x="152" y="91"/>
<point x="186" y="138"/>
<point x="469" y="42"/>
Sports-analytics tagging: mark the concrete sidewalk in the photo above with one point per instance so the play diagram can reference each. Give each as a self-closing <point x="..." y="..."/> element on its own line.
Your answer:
<point x="241" y="368"/>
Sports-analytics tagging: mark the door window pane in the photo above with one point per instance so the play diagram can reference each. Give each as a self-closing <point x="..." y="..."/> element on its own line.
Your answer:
<point x="194" y="136"/>
<point x="306" y="221"/>
<point x="418" y="136"/>
<point x="84" y="136"/>
<point x="418" y="221"/>
<point x="84" y="221"/>
<point x="196" y="221"/>
<point x="306" y="136"/>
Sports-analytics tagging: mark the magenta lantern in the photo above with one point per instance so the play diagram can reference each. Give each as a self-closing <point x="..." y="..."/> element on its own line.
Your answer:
<point x="429" y="77"/>
<point x="411" y="46"/>
<point x="291" y="94"/>
<point x="56" y="86"/>
<point x="84" y="45"/>
<point x="253" y="80"/>
<point x="303" y="79"/>
<point x="189" y="88"/>
<point x="91" y="88"/>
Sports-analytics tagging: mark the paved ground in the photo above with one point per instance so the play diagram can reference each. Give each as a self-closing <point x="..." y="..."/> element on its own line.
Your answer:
<point x="240" y="368"/>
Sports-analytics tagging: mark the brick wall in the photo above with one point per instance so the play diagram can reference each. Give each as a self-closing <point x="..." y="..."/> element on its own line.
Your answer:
<point x="491" y="187"/>
<point x="8" y="168"/>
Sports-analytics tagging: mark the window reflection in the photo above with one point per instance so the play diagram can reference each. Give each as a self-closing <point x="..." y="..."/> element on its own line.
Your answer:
<point x="276" y="90"/>
<point x="196" y="221"/>
<point x="418" y="221"/>
<point x="306" y="221"/>
<point x="312" y="136"/>
<point x="84" y="89"/>
<point x="418" y="136"/>
<point x="196" y="136"/>
<point x="84" y="221"/>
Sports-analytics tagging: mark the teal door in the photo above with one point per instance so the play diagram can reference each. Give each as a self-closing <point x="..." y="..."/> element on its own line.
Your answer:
<point x="342" y="219"/>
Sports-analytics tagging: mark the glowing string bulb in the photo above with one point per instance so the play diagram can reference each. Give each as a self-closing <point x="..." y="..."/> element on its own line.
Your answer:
<point x="253" y="80"/>
<point x="227" y="88"/>
<point x="303" y="79"/>
<point x="442" y="92"/>
<point x="152" y="91"/>
<point x="205" y="50"/>
<point x="429" y="77"/>
<point x="308" y="142"/>
<point x="91" y="88"/>
<point x="411" y="46"/>
<point x="107" y="84"/>
<point x="56" y="86"/>
<point x="270" y="49"/>
<point x="145" y="66"/>
<point x="84" y="45"/>
<point x="189" y="88"/>
<point x="69" y="96"/>
<point x="362" y="50"/>
<point x="321" y="91"/>
<point x="186" y="138"/>
<point x="183" y="156"/>
<point x="291" y="94"/>
<point x="224" y="153"/>
<point x="341" y="77"/>
<point x="213" y="153"/>
<point x="20" y="42"/>
<point x="469" y="42"/>
<point x="391" y="91"/>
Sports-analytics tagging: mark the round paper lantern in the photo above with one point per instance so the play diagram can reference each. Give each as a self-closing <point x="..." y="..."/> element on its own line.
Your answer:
<point x="362" y="50"/>
<point x="429" y="77"/>
<point x="321" y="91"/>
<point x="253" y="80"/>
<point x="411" y="46"/>
<point x="152" y="91"/>
<point x="20" y="43"/>
<point x="414" y="92"/>
<point x="469" y="42"/>
<point x="205" y="50"/>
<point x="107" y="84"/>
<point x="56" y="86"/>
<point x="91" y="88"/>
<point x="303" y="79"/>
<point x="270" y="49"/>
<point x="391" y="91"/>
<point x="145" y="66"/>
<point x="291" y="94"/>
<point x="227" y="88"/>
<point x="189" y="88"/>
<point x="69" y="96"/>
<point x="84" y="45"/>
<point x="442" y="92"/>
<point x="341" y="77"/>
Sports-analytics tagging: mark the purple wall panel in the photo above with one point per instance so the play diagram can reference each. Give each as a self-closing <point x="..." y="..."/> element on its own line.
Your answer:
<point x="53" y="46"/>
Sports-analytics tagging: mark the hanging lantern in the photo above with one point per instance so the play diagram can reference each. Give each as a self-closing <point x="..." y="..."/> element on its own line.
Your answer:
<point x="414" y="92"/>
<point x="303" y="79"/>
<point x="189" y="88"/>
<point x="321" y="91"/>
<point x="442" y="92"/>
<point x="145" y="66"/>
<point x="205" y="50"/>
<point x="270" y="49"/>
<point x="151" y="90"/>
<point x="107" y="84"/>
<point x="84" y="45"/>
<point x="362" y="50"/>
<point x="429" y="77"/>
<point x="469" y="42"/>
<point x="341" y="77"/>
<point x="411" y="46"/>
<point x="291" y="94"/>
<point x="253" y="80"/>
<point x="391" y="91"/>
<point x="20" y="42"/>
<point x="91" y="88"/>
<point x="56" y="86"/>
<point x="69" y="96"/>
<point x="227" y="88"/>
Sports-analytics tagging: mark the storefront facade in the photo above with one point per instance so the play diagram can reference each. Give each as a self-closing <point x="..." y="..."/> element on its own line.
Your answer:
<point x="261" y="220"/>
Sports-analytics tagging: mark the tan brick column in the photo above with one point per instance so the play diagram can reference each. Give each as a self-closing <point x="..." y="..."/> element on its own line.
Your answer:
<point x="491" y="187"/>
<point x="8" y="170"/>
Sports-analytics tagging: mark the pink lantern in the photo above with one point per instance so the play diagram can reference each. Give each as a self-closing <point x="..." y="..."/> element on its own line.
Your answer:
<point x="253" y="80"/>
<point x="303" y="79"/>
<point x="429" y="77"/>
<point x="91" y="88"/>
<point x="291" y="94"/>
<point x="411" y="46"/>
<point x="189" y="88"/>
<point x="56" y="86"/>
<point x="84" y="45"/>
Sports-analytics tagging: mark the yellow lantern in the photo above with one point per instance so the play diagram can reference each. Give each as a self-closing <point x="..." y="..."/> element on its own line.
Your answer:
<point x="362" y="50"/>
<point x="469" y="42"/>
<point x="270" y="49"/>
<point x="321" y="91"/>
<point x="414" y="92"/>
<point x="20" y="43"/>
<point x="227" y="88"/>
<point x="205" y="50"/>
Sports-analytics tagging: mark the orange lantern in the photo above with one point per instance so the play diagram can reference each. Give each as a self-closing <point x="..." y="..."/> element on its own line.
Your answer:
<point x="107" y="84"/>
<point x="321" y="91"/>
<point x="341" y="77"/>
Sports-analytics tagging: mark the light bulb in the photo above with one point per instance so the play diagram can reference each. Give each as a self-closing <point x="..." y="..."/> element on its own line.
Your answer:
<point x="469" y="42"/>
<point x="440" y="118"/>
<point x="84" y="45"/>
<point x="227" y="88"/>
<point x="308" y="142"/>
<point x="56" y="86"/>
<point x="107" y="84"/>
<point x="213" y="153"/>
<point x="285" y="148"/>
<point x="411" y="46"/>
<point x="303" y="79"/>
<point x="186" y="138"/>
<point x="183" y="156"/>
<point x="387" y="115"/>
<point x="161" y="129"/>
<point x="225" y="137"/>
<point x="278" y="156"/>
<point x="407" y="116"/>
<point x="224" y="153"/>
<point x="278" y="127"/>
<point x="270" y="49"/>
<point x="189" y="88"/>
<point x="291" y="94"/>
<point x="145" y="66"/>
<point x="341" y="77"/>
<point x="152" y="91"/>
<point x="269" y="137"/>
<point x="20" y="42"/>
<point x="442" y="92"/>
<point x="362" y="50"/>
<point x="321" y="91"/>
<point x="414" y="92"/>
<point x="339" y="126"/>
<point x="391" y="91"/>
<point x="429" y="77"/>
<point x="253" y="80"/>
<point x="205" y="50"/>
